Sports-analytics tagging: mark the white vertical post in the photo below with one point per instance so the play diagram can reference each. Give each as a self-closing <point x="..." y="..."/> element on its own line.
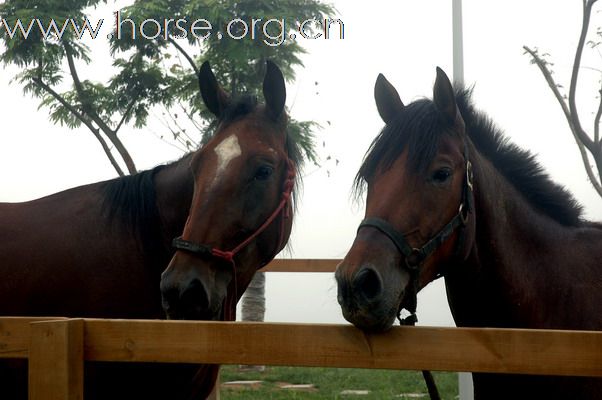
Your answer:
<point x="465" y="387"/>
<point x="458" y="47"/>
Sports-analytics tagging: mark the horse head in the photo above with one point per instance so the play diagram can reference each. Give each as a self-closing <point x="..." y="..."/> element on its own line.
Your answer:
<point x="418" y="206"/>
<point x="240" y="216"/>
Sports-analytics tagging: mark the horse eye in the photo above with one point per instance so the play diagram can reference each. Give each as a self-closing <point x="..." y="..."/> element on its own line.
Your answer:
<point x="442" y="175"/>
<point x="263" y="172"/>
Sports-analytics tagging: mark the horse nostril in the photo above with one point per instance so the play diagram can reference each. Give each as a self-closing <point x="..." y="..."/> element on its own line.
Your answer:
<point x="195" y="296"/>
<point x="367" y="283"/>
<point x="170" y="298"/>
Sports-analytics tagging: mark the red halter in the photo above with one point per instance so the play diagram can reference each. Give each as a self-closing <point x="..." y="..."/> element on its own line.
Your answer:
<point x="207" y="250"/>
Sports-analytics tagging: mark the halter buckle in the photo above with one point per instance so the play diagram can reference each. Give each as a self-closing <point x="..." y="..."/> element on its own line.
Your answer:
<point x="469" y="174"/>
<point x="414" y="259"/>
<point x="463" y="215"/>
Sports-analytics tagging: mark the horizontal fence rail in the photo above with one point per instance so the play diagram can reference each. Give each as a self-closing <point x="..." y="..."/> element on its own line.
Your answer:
<point x="15" y="335"/>
<point x="301" y="265"/>
<point x="548" y="352"/>
<point x="58" y="349"/>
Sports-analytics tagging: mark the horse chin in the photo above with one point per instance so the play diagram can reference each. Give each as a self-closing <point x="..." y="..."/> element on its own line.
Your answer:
<point x="195" y="314"/>
<point x="370" y="321"/>
<point x="371" y="315"/>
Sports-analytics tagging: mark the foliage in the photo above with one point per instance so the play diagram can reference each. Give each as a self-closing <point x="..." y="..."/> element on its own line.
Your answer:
<point x="239" y="64"/>
<point x="150" y="73"/>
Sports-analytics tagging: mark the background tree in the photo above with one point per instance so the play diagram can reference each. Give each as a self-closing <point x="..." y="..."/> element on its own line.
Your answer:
<point x="590" y="146"/>
<point x="240" y="63"/>
<point x="48" y="60"/>
<point x="152" y="75"/>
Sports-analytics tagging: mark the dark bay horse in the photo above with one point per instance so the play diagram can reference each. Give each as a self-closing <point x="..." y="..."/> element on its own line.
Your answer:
<point x="100" y="250"/>
<point x="448" y="195"/>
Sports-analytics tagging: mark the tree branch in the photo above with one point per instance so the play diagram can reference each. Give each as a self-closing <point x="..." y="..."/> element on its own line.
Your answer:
<point x="567" y="113"/>
<point x="179" y="135"/>
<point x="597" y="120"/>
<point x="185" y="54"/>
<point x="590" y="173"/>
<point x="181" y="129"/>
<point x="583" y="137"/>
<point x="84" y="120"/>
<point x="91" y="113"/>
<point x="191" y="117"/>
<point x="551" y="83"/>
<point x="79" y="88"/>
<point x="63" y="102"/>
<point x="81" y="95"/>
<point x="125" y="114"/>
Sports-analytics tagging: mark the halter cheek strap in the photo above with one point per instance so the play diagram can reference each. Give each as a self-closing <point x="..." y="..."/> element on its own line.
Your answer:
<point x="207" y="251"/>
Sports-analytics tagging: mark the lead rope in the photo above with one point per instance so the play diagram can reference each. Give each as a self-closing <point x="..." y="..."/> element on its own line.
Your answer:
<point x="411" y="320"/>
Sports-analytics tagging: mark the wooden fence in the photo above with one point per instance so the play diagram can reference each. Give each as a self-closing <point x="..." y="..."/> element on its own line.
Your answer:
<point x="57" y="348"/>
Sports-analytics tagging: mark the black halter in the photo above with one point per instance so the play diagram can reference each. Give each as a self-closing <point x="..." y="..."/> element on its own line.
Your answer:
<point x="414" y="257"/>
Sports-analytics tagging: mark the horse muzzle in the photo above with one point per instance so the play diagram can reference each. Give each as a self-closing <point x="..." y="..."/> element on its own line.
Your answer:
<point x="366" y="300"/>
<point x="188" y="295"/>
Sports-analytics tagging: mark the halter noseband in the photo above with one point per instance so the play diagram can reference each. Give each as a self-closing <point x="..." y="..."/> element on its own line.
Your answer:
<point x="414" y="257"/>
<point x="208" y="251"/>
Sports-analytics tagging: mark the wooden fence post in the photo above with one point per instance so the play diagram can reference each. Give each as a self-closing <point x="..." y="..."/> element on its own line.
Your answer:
<point x="56" y="360"/>
<point x="215" y="393"/>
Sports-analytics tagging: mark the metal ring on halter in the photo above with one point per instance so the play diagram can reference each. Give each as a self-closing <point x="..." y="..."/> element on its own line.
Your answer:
<point x="469" y="174"/>
<point x="463" y="215"/>
<point x="414" y="259"/>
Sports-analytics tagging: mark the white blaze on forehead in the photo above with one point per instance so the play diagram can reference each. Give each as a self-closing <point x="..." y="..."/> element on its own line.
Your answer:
<point x="226" y="151"/>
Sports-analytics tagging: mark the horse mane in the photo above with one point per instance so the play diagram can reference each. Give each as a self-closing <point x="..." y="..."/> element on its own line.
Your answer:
<point x="422" y="129"/>
<point x="131" y="200"/>
<point x="518" y="166"/>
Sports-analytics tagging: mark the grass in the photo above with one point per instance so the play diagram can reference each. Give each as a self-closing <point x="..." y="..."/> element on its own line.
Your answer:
<point x="330" y="382"/>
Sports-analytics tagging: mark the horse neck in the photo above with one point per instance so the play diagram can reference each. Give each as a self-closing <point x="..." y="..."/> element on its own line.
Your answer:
<point x="174" y="187"/>
<point x="518" y="261"/>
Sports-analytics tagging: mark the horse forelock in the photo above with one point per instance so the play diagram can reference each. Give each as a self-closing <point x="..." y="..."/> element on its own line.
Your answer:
<point x="248" y="104"/>
<point x="417" y="128"/>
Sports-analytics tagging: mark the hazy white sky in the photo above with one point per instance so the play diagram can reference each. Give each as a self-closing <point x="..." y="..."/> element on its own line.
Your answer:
<point x="405" y="40"/>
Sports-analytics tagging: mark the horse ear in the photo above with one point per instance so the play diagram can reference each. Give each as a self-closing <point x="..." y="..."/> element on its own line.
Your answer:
<point x="388" y="102"/>
<point x="274" y="90"/>
<point x="214" y="96"/>
<point x="444" y="97"/>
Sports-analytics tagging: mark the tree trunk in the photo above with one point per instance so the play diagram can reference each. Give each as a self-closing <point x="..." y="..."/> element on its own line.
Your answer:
<point x="253" y="308"/>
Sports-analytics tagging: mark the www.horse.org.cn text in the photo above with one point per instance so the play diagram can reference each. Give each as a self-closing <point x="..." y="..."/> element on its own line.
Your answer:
<point x="271" y="31"/>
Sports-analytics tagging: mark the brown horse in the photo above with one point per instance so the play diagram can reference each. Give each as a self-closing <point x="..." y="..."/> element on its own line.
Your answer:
<point x="99" y="250"/>
<point x="448" y="195"/>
